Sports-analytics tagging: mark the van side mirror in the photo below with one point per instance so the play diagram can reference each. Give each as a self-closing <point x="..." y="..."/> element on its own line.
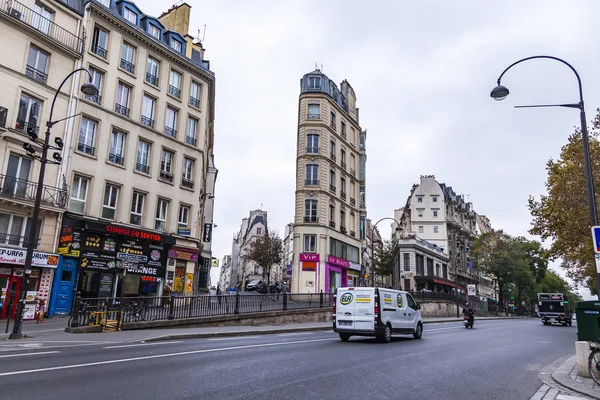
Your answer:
<point x="418" y="306"/>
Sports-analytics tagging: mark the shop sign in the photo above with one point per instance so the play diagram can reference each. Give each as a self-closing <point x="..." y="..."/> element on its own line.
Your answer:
<point x="189" y="283"/>
<point x="129" y="232"/>
<point x="288" y="269"/>
<point x="184" y="232"/>
<point x="309" y="257"/>
<point x="207" y="235"/>
<point x="17" y="256"/>
<point x="355" y="266"/>
<point x="69" y="243"/>
<point x="215" y="262"/>
<point x="97" y="261"/>
<point x="183" y="255"/>
<point x="143" y="258"/>
<point x="149" y="278"/>
<point x="338" y="261"/>
<point x="309" y="266"/>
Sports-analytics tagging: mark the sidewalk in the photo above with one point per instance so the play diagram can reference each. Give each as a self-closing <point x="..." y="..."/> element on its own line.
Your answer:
<point x="566" y="384"/>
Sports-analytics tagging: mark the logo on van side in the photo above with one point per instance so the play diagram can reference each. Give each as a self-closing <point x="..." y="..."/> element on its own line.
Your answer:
<point x="346" y="298"/>
<point x="400" y="301"/>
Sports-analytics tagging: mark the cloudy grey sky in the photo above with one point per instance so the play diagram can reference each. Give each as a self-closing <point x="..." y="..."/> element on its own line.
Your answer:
<point x="422" y="72"/>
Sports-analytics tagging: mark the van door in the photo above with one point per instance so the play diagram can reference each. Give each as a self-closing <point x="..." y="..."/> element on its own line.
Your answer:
<point x="411" y="311"/>
<point x="401" y="303"/>
<point x="389" y="312"/>
<point x="355" y="309"/>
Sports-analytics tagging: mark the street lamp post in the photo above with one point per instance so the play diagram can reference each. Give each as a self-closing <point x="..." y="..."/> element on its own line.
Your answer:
<point x="500" y="92"/>
<point x="373" y="244"/>
<point x="90" y="90"/>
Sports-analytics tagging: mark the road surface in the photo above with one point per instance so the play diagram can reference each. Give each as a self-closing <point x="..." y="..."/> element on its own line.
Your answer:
<point x="495" y="360"/>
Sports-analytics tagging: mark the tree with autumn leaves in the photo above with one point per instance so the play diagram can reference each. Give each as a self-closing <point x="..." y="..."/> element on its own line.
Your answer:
<point x="562" y="215"/>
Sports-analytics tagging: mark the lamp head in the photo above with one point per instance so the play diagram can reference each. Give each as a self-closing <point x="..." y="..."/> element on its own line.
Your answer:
<point x="59" y="142"/>
<point x="57" y="157"/>
<point x="89" y="89"/>
<point x="29" y="148"/>
<point x="499" y="93"/>
<point x="32" y="134"/>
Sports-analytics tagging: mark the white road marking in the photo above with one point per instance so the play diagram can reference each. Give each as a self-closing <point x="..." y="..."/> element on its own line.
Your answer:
<point x="237" y="337"/>
<point x="185" y="353"/>
<point x="29" y="354"/>
<point x="142" y="344"/>
<point x="295" y="333"/>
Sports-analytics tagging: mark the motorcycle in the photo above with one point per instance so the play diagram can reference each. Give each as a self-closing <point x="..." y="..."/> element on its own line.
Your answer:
<point x="469" y="321"/>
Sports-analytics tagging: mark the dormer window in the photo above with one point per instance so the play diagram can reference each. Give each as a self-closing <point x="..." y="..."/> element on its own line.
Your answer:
<point x="130" y="16"/>
<point x="154" y="31"/>
<point x="314" y="82"/>
<point x="176" y="45"/>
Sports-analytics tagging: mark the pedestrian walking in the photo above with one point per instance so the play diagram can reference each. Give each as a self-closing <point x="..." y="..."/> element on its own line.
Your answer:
<point x="41" y="310"/>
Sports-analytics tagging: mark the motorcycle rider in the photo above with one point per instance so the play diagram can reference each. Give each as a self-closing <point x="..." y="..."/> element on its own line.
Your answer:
<point x="471" y="314"/>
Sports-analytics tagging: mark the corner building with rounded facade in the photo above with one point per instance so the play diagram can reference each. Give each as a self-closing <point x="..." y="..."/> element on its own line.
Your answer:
<point x="330" y="213"/>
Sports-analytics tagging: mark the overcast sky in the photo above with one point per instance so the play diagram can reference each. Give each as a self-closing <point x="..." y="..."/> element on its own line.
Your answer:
<point x="422" y="72"/>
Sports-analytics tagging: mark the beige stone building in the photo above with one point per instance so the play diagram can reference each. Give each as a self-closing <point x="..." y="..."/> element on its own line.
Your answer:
<point x="329" y="225"/>
<point x="41" y="44"/>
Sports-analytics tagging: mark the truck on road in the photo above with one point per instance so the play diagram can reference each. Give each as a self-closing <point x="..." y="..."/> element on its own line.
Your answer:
<point x="553" y="307"/>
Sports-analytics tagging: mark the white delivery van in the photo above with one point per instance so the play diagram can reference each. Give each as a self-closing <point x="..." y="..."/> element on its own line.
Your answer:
<point x="367" y="311"/>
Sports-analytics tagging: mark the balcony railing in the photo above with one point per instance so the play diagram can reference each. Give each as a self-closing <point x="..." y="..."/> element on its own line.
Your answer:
<point x="151" y="79"/>
<point x="352" y="201"/>
<point x="352" y="172"/>
<point x="170" y="131"/>
<point x="36" y="74"/>
<point x="147" y="121"/>
<point x="187" y="183"/>
<point x="332" y="156"/>
<point x="194" y="102"/>
<point x="142" y="168"/>
<point x="332" y="224"/>
<point x="311" y="182"/>
<point x="115" y="158"/>
<point x="332" y="188"/>
<point x="3" y="116"/>
<point x="312" y="150"/>
<point x="166" y="176"/>
<point x="352" y="233"/>
<point x="122" y="110"/>
<point x="96" y="99"/>
<point x="24" y="126"/>
<point x="49" y="29"/>
<point x="343" y="195"/>
<point x="311" y="219"/>
<point x="84" y="148"/>
<point x="343" y="165"/>
<point x="190" y="140"/>
<point x="343" y="229"/>
<point x="127" y="66"/>
<point x="99" y="51"/>
<point x="314" y="115"/>
<point x="174" y="91"/>
<point x="26" y="190"/>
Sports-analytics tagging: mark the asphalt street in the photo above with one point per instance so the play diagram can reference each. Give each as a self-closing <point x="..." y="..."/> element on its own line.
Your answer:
<point x="495" y="360"/>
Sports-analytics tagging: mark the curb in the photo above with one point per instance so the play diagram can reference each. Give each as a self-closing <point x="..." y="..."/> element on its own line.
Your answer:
<point x="564" y="380"/>
<point x="202" y="335"/>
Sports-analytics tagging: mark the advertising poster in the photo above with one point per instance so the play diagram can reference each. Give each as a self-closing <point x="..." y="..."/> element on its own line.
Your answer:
<point x="189" y="283"/>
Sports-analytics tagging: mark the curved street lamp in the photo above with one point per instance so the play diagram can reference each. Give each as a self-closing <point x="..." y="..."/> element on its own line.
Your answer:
<point x="89" y="89"/>
<point x="373" y="243"/>
<point x="501" y="92"/>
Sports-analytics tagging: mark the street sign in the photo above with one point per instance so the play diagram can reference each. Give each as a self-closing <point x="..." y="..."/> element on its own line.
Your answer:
<point x="596" y="238"/>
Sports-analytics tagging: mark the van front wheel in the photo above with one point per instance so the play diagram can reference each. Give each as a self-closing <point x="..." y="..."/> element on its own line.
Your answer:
<point x="345" y="337"/>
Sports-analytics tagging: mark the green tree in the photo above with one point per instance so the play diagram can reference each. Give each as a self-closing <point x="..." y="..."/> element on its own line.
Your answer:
<point x="385" y="256"/>
<point x="536" y="256"/>
<point x="266" y="251"/>
<point x="562" y="214"/>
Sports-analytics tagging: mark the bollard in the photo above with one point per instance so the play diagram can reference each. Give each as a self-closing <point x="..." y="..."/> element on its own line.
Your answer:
<point x="75" y="311"/>
<point x="321" y="299"/>
<point x="237" y="303"/>
<point x="285" y="299"/>
<point x="172" y="308"/>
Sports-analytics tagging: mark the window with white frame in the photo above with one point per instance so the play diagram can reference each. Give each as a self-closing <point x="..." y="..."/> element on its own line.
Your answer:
<point x="148" y="107"/>
<point x="419" y="213"/>
<point x="137" y="208"/>
<point x="41" y="19"/>
<point x="310" y="210"/>
<point x="312" y="174"/>
<point x="176" y="45"/>
<point x="175" y="84"/>
<point x="154" y="31"/>
<point x="420" y="229"/>
<point x="192" y="129"/>
<point x="127" y="58"/>
<point x="436" y="229"/>
<point x="87" y="136"/>
<point x="314" y="82"/>
<point x="29" y="112"/>
<point x="419" y="199"/>
<point x="195" y="94"/>
<point x="78" y="194"/>
<point x="312" y="143"/>
<point x="314" y="110"/>
<point x="166" y="165"/>
<point x="152" y="67"/>
<point x="184" y="215"/>
<point x="310" y="243"/>
<point x="105" y="3"/>
<point x="171" y="121"/>
<point x="130" y="15"/>
<point x="143" y="157"/>
<point x="188" y="173"/>
<point x="122" y="100"/>
<point x="435" y="213"/>
<point x="97" y="78"/>
<point x="15" y="229"/>
<point x="117" y="147"/>
<point x="109" y="205"/>
<point x="37" y="64"/>
<point x="162" y="208"/>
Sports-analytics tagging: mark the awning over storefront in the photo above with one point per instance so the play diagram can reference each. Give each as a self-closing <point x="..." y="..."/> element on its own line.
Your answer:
<point x="440" y="281"/>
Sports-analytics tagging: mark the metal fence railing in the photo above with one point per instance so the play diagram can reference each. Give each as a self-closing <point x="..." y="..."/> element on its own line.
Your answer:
<point x="109" y="311"/>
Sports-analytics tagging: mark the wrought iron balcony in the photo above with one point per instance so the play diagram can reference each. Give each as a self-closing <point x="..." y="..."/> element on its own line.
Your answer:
<point x="15" y="188"/>
<point x="332" y="224"/>
<point x="312" y="150"/>
<point x="352" y="233"/>
<point x="343" y="195"/>
<point x="332" y="156"/>
<point x="127" y="66"/>
<point x="36" y="74"/>
<point x="166" y="176"/>
<point x="311" y="219"/>
<point x="187" y="183"/>
<point x="343" y="229"/>
<point x="147" y="121"/>
<point x="170" y="131"/>
<point x="343" y="165"/>
<point x="84" y="148"/>
<point x="174" y="91"/>
<point x="190" y="140"/>
<point x="142" y="168"/>
<point x="151" y="79"/>
<point x="311" y="182"/>
<point x="24" y="126"/>
<point x="99" y="51"/>
<point x="96" y="99"/>
<point x="332" y="188"/>
<point x="3" y="116"/>
<point x="194" y="102"/>
<point x="314" y="115"/>
<point x="117" y="159"/>
<point x="352" y="201"/>
<point x="352" y="172"/>
<point x="122" y="110"/>
<point x="53" y="32"/>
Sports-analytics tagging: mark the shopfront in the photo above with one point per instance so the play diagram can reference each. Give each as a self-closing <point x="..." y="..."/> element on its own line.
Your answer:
<point x="353" y="274"/>
<point x="12" y="261"/>
<point x="308" y="279"/>
<point x="180" y="272"/>
<point x="336" y="272"/>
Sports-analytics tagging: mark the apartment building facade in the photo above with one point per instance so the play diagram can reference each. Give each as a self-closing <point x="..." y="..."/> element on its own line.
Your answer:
<point x="41" y="44"/>
<point x="138" y="160"/>
<point x="330" y="209"/>
<point x="243" y="270"/>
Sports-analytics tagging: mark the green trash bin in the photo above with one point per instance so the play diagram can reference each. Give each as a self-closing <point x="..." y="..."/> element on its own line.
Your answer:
<point x="588" y="321"/>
